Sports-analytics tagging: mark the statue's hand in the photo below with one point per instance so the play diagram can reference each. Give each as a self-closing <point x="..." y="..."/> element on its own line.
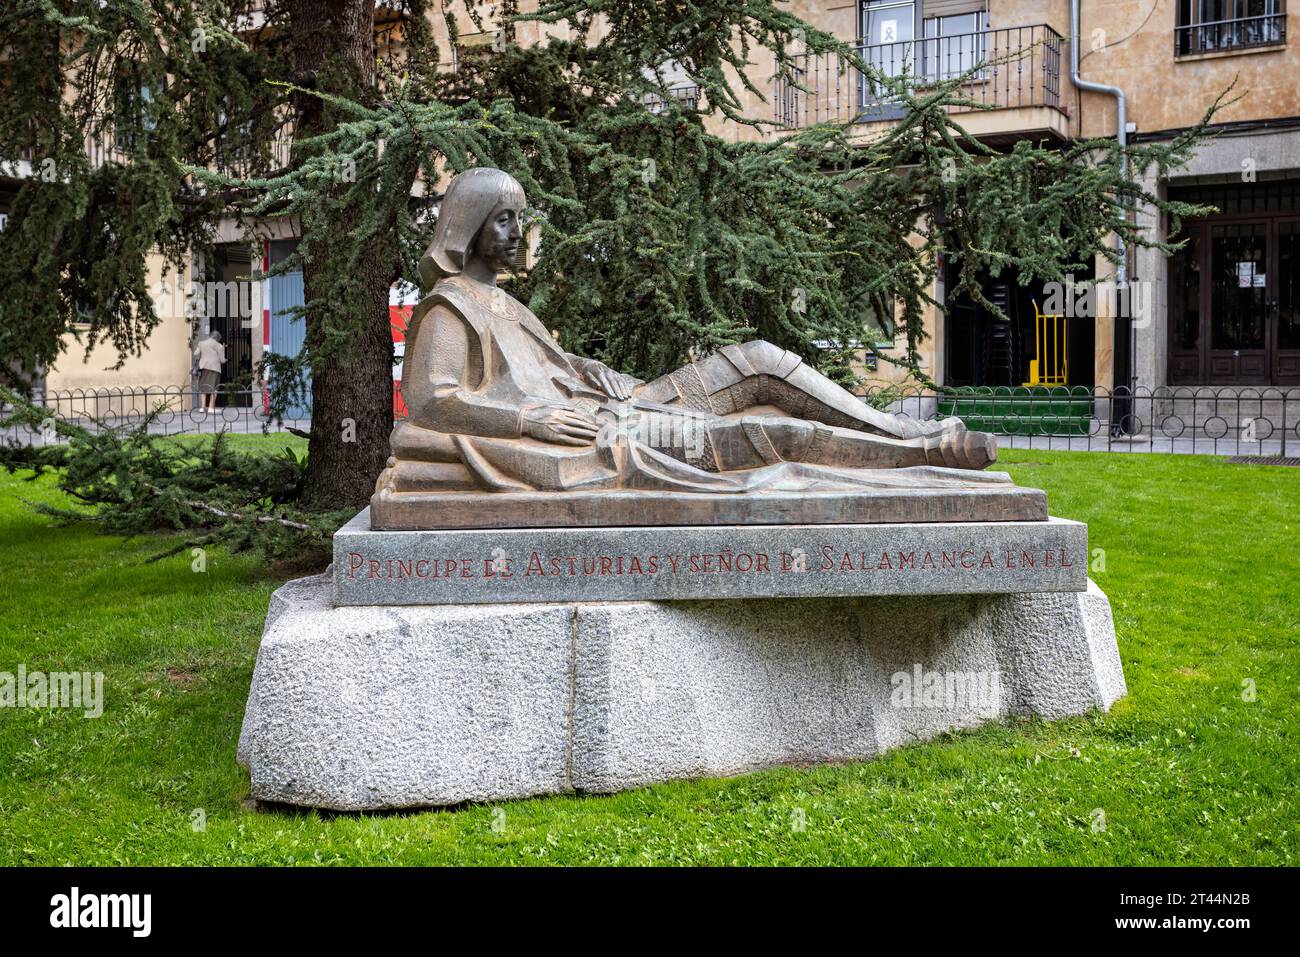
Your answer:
<point x="616" y="385"/>
<point x="559" y="425"/>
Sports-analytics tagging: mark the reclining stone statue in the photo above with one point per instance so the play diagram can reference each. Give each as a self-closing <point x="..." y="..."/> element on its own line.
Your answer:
<point x="495" y="405"/>
<point x="550" y="537"/>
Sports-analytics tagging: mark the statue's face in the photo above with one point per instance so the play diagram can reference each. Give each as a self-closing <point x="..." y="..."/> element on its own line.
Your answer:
<point x="498" y="240"/>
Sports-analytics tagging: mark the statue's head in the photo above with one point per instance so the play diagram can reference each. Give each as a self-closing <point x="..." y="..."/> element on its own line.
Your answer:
<point x="479" y="217"/>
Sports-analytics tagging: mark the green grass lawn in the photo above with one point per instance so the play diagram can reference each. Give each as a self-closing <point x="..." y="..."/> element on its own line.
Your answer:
<point x="1202" y="567"/>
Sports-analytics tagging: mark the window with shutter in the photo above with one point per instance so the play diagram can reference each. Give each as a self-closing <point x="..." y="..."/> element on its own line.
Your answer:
<point x="950" y="8"/>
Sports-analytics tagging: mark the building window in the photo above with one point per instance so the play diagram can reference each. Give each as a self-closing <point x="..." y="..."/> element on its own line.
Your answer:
<point x="1217" y="26"/>
<point x="954" y="44"/>
<point x="953" y="37"/>
<point x="886" y="29"/>
<point x="133" y="112"/>
<point x="876" y="316"/>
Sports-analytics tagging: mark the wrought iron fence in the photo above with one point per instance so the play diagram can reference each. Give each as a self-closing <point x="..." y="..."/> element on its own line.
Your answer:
<point x="1203" y="420"/>
<point x="178" y="412"/>
<point x="1012" y="67"/>
<point x="1195" y="420"/>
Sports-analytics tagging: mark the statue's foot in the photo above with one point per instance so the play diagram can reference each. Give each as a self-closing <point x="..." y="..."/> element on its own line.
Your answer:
<point x="961" y="449"/>
<point x="915" y="429"/>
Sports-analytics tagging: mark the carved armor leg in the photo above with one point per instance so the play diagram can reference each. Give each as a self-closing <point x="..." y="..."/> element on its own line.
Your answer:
<point x="739" y="377"/>
<point x="754" y="441"/>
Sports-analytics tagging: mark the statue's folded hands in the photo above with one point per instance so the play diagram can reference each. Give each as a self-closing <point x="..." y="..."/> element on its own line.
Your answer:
<point x="551" y="423"/>
<point x="616" y="385"/>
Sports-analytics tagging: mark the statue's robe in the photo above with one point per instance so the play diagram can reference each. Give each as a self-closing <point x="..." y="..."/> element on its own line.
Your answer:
<point x="476" y="358"/>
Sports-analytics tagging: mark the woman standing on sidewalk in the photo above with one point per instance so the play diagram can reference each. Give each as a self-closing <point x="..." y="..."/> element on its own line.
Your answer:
<point x="209" y="357"/>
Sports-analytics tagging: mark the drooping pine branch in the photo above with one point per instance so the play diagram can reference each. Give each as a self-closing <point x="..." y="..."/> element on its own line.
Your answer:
<point x="130" y="482"/>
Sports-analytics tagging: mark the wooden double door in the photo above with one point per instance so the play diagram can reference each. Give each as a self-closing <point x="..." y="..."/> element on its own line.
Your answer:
<point x="1234" y="302"/>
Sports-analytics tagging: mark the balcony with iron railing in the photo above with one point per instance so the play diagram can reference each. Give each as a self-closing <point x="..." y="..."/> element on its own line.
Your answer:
<point x="1011" y="69"/>
<point x="687" y="94"/>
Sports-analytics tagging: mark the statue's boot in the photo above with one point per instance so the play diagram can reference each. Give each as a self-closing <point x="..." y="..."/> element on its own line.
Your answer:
<point x="961" y="449"/>
<point x="754" y="441"/>
<point x="756" y="373"/>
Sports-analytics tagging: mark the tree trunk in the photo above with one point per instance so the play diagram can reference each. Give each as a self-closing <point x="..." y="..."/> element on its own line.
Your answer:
<point x="333" y="50"/>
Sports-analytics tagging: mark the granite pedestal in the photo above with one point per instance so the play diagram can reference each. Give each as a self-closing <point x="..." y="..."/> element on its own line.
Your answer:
<point x="434" y="693"/>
